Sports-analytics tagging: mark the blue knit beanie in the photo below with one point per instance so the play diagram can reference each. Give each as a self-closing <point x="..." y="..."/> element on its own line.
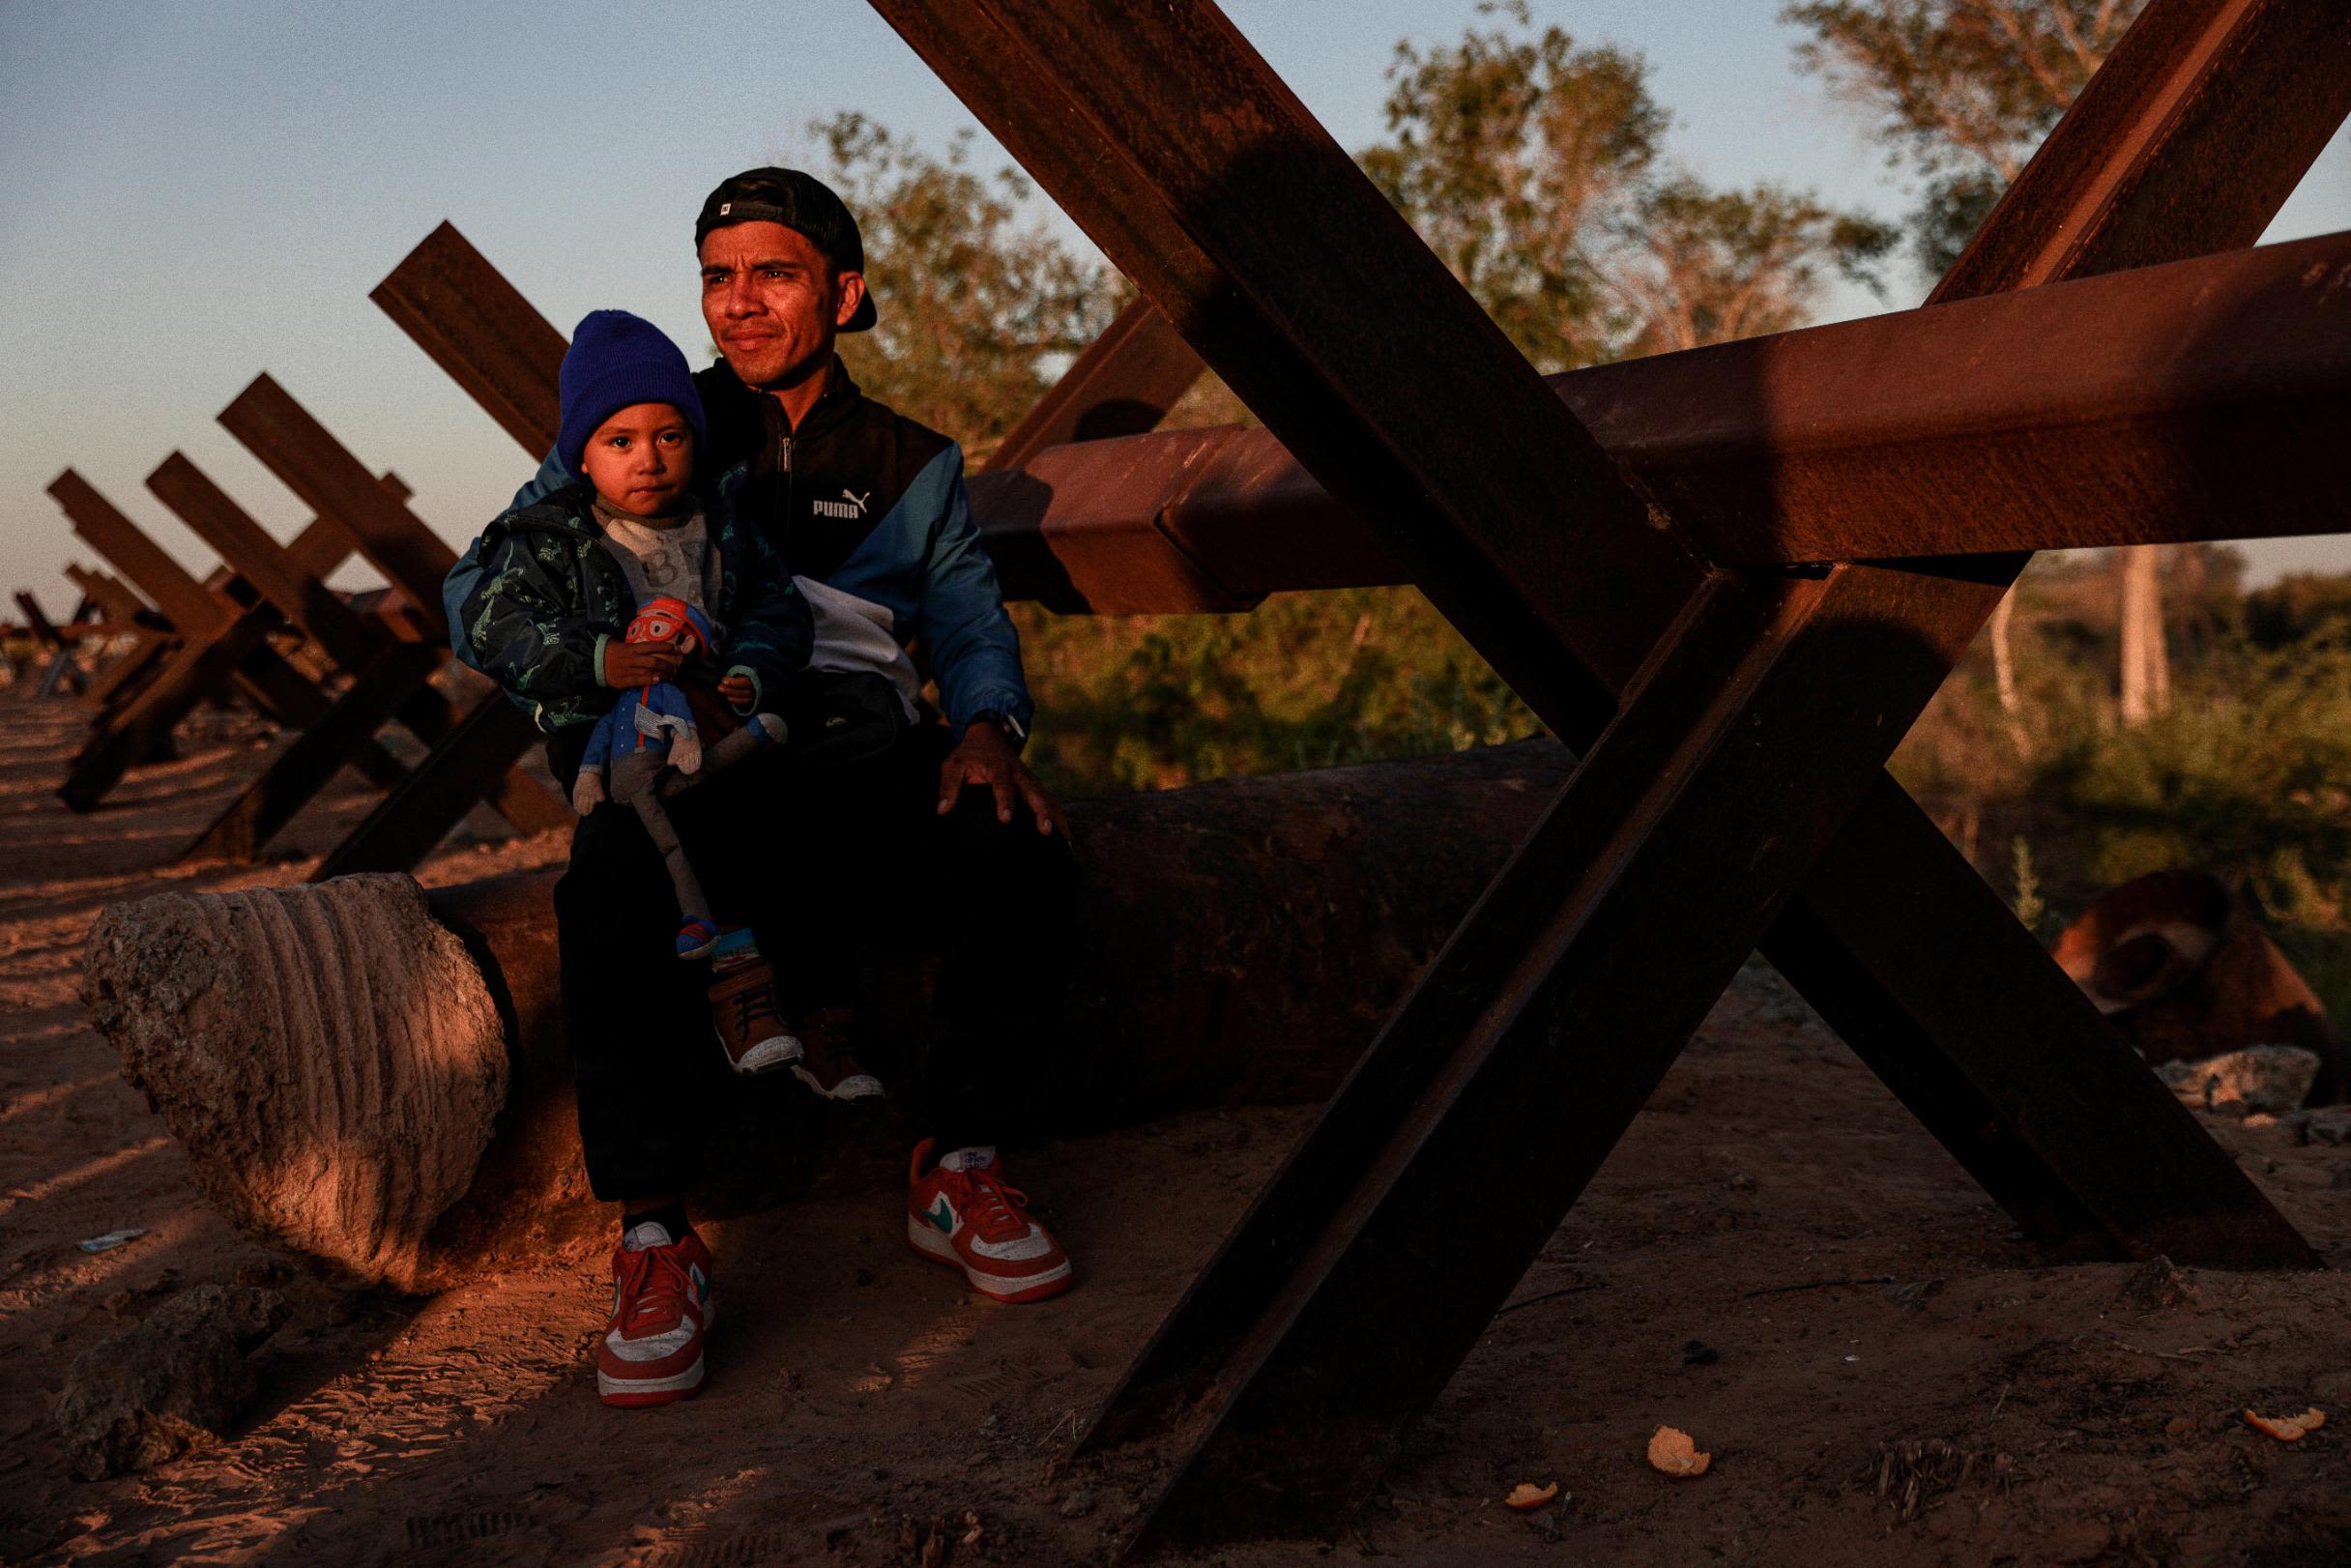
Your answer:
<point x="616" y="361"/>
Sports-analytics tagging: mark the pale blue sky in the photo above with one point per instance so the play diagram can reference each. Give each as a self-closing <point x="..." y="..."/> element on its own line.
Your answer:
<point x="194" y="192"/>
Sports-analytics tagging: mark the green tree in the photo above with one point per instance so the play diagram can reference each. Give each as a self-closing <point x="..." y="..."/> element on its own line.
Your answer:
<point x="978" y="309"/>
<point x="1533" y="166"/>
<point x="1515" y="154"/>
<point x="1696" y="266"/>
<point x="1961" y="90"/>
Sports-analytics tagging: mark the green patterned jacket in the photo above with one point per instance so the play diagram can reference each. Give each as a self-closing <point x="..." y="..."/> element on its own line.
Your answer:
<point x="549" y="595"/>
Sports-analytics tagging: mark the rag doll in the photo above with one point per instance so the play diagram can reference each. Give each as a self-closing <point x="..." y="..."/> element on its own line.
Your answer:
<point x="649" y="747"/>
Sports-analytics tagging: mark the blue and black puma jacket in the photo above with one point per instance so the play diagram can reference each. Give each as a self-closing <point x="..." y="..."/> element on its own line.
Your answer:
<point x="870" y="503"/>
<point x="539" y="595"/>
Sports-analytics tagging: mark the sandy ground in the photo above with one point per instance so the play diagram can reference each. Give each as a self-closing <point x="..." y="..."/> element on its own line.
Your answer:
<point x="1958" y="1403"/>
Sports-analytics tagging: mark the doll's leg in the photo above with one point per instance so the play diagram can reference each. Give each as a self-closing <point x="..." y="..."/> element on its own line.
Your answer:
<point x="759" y="732"/>
<point x="634" y="778"/>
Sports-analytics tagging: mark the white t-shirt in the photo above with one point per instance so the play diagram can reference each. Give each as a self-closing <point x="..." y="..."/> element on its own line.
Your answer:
<point x="663" y="557"/>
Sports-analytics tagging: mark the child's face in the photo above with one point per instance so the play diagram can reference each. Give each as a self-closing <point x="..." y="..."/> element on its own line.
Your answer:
<point x="640" y="459"/>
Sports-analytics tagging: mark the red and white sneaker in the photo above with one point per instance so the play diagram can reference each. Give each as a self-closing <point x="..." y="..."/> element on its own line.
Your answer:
<point x="661" y="1308"/>
<point x="965" y="1214"/>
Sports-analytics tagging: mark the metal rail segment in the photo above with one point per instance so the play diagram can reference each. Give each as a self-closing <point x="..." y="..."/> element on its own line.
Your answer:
<point x="1284" y="1379"/>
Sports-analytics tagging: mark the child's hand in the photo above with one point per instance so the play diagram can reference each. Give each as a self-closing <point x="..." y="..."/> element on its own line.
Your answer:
<point x="640" y="664"/>
<point x="737" y="689"/>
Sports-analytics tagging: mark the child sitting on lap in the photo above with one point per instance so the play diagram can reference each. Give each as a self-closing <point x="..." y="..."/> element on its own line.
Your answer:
<point x="584" y="597"/>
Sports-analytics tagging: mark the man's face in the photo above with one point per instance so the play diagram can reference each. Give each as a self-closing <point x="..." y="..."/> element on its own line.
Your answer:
<point x="641" y="458"/>
<point x="772" y="302"/>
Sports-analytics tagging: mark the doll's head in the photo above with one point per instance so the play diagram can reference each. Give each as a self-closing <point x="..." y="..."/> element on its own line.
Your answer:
<point x="658" y="619"/>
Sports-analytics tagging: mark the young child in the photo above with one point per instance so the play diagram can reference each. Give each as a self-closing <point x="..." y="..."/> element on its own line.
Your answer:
<point x="565" y="578"/>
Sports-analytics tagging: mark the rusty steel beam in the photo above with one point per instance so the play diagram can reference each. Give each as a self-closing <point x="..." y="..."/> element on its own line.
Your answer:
<point x="473" y="759"/>
<point x="2192" y="400"/>
<point x="2164" y="155"/>
<point x="476" y="327"/>
<point x="192" y="609"/>
<point x="119" y="682"/>
<point x="462" y="771"/>
<point x="271" y="568"/>
<point x="391" y="675"/>
<point x="2107" y="425"/>
<point x="310" y="462"/>
<point x="297" y="774"/>
<point x="1123" y="385"/>
<point x="1148" y="74"/>
<point x="1211" y="238"/>
<point x="219" y="643"/>
<point x="37" y="621"/>
<point x="2201" y="122"/>
<point x="2112" y="420"/>
<point x="62" y="668"/>
<point x="115" y="597"/>
<point x="1093" y="528"/>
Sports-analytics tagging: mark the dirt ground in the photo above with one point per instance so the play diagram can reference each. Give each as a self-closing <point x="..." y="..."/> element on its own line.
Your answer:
<point x="1950" y="1401"/>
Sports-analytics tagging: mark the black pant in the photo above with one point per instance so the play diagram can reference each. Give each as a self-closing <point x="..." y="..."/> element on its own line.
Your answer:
<point x="819" y="865"/>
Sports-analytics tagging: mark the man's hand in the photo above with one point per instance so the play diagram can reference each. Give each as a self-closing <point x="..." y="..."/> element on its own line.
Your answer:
<point x="985" y="759"/>
<point x="640" y="664"/>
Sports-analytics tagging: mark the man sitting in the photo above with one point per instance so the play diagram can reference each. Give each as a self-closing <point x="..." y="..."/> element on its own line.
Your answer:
<point x="917" y="831"/>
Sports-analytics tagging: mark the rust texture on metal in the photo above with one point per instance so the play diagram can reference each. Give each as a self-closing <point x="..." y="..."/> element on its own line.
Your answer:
<point x="476" y="327"/>
<point x="300" y="595"/>
<point x="114" y="597"/>
<point x="464" y="768"/>
<point x="2198" y="400"/>
<point x="391" y="675"/>
<point x="2201" y="122"/>
<point x="62" y="668"/>
<point x="298" y="773"/>
<point x="311" y="463"/>
<point x="37" y="621"/>
<point x="1123" y="385"/>
<point x="192" y="608"/>
<point x="1875" y="951"/>
<point x="222" y="643"/>
<point x="1359" y="351"/>
<point x="2187" y="401"/>
<point x="1175" y="148"/>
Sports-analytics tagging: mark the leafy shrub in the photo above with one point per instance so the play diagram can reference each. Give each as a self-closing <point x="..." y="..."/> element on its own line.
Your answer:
<point x="1304" y="681"/>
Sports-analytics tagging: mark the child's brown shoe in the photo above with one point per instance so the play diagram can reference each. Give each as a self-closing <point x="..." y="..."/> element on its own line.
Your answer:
<point x="750" y="1020"/>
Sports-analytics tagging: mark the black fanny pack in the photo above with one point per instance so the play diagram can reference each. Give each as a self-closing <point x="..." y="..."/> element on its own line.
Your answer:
<point x="834" y="718"/>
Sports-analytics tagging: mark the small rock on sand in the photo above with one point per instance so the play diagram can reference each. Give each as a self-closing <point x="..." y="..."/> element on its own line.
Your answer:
<point x="2327" y="1124"/>
<point x="172" y="1383"/>
<point x="2271" y="1078"/>
<point x="2159" y="1283"/>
